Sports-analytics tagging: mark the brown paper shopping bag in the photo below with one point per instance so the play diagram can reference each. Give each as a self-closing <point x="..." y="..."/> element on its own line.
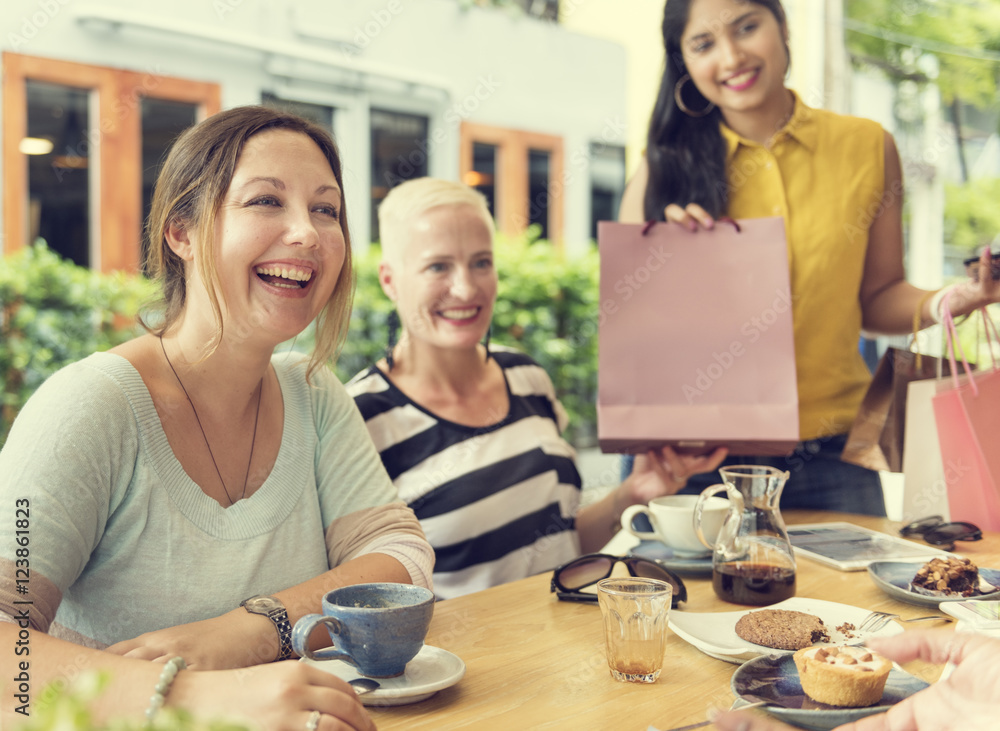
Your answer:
<point x="878" y="435"/>
<point x="967" y="413"/>
<point x="695" y="342"/>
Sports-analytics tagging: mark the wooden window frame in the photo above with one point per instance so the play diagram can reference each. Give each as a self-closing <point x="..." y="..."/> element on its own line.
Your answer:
<point x="116" y="203"/>
<point x="512" y="205"/>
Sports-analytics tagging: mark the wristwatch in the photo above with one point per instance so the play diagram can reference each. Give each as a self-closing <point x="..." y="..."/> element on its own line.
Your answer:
<point x="273" y="609"/>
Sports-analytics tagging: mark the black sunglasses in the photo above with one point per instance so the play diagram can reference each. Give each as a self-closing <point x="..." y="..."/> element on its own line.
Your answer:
<point x="587" y="570"/>
<point x="935" y="531"/>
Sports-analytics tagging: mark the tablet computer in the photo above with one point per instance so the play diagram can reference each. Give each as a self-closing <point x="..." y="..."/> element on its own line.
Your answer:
<point x="850" y="547"/>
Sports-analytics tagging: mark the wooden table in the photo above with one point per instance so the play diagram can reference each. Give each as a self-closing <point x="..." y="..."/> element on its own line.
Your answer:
<point x="533" y="662"/>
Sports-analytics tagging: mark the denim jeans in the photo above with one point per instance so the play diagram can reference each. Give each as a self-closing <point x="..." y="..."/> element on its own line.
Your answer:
<point x="817" y="479"/>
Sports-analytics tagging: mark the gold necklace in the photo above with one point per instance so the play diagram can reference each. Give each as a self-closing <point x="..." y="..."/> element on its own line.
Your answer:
<point x="260" y="394"/>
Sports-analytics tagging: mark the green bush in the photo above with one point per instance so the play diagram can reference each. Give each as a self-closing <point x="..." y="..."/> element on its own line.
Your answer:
<point x="547" y="307"/>
<point x="53" y="313"/>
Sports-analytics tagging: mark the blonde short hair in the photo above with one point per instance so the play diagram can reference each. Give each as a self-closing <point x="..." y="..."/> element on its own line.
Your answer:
<point x="415" y="197"/>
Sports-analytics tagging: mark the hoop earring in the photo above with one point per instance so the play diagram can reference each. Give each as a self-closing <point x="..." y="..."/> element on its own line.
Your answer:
<point x="679" y="99"/>
<point x="392" y="323"/>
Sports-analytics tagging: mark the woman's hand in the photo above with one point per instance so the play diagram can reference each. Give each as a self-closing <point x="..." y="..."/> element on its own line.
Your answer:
<point x="664" y="472"/>
<point x="690" y="217"/>
<point x="236" y="639"/>
<point x="979" y="292"/>
<point x="278" y="697"/>
<point x="968" y="700"/>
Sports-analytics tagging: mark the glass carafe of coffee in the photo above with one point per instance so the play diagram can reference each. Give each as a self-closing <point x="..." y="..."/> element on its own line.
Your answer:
<point x="752" y="559"/>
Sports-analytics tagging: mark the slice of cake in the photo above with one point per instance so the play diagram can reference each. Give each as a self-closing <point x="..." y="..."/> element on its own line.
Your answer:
<point x="853" y="677"/>
<point x="781" y="629"/>
<point x="950" y="575"/>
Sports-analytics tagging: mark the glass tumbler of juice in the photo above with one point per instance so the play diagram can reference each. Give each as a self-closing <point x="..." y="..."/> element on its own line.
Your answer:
<point x="635" y="613"/>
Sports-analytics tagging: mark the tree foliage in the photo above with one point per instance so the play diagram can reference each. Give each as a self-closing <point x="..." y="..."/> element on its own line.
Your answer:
<point x="962" y="36"/>
<point x="954" y="44"/>
<point x="972" y="217"/>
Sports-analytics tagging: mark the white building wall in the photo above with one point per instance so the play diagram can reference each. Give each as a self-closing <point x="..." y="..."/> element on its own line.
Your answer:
<point x="425" y="56"/>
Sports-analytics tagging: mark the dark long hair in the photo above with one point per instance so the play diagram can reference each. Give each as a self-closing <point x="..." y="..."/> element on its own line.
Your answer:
<point x="686" y="155"/>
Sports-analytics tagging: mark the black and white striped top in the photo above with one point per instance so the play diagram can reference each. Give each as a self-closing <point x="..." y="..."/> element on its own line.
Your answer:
<point x="498" y="502"/>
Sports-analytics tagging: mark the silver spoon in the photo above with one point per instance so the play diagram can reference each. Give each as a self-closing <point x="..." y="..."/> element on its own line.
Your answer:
<point x="364" y="685"/>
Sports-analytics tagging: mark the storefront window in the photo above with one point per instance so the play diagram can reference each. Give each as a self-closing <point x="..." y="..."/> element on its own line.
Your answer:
<point x="538" y="190"/>
<point x="60" y="152"/>
<point x="483" y="176"/>
<point x="162" y="122"/>
<point x="399" y="153"/>
<point x="607" y="183"/>
<point x="318" y="113"/>
<point x="87" y="142"/>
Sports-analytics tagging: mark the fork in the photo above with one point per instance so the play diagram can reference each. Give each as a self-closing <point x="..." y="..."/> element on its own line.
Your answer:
<point x="877" y="620"/>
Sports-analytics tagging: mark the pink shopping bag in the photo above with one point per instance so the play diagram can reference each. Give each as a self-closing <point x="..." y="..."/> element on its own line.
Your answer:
<point x="695" y="341"/>
<point x="967" y="412"/>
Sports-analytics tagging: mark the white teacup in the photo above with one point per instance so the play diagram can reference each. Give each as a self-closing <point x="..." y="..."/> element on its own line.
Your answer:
<point x="672" y="518"/>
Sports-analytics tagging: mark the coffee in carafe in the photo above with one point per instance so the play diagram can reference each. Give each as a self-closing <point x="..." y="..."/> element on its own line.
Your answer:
<point x="753" y="583"/>
<point x="752" y="559"/>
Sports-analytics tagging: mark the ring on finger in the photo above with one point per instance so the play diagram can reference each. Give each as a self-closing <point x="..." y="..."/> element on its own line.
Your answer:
<point x="313" y="721"/>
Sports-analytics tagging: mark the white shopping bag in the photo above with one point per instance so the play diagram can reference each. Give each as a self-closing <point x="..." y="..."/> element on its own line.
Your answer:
<point x="925" y="487"/>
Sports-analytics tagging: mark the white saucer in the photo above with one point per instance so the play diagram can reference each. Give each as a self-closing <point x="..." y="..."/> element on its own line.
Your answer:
<point x="433" y="669"/>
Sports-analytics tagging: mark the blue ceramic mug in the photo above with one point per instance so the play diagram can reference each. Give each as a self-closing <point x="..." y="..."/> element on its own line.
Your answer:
<point x="376" y="627"/>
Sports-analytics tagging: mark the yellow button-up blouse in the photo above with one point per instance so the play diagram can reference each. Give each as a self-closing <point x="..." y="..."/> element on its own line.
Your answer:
<point x="824" y="173"/>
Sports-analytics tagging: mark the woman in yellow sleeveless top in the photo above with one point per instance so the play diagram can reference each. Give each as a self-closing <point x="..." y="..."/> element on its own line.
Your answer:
<point x="727" y="137"/>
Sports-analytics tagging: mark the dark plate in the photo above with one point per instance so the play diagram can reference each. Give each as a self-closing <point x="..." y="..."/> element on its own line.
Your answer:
<point x="893" y="577"/>
<point x="774" y="678"/>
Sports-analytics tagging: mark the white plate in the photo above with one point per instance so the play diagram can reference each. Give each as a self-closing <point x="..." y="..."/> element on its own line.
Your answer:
<point x="433" y="669"/>
<point x="714" y="633"/>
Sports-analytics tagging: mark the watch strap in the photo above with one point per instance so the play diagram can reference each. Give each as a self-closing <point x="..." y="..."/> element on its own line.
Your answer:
<point x="284" y="627"/>
<point x="279" y="617"/>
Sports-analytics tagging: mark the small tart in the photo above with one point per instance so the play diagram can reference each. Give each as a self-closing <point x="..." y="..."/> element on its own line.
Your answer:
<point x="853" y="677"/>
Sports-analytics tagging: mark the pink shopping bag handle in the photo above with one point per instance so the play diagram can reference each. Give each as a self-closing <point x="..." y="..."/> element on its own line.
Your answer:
<point x="722" y="219"/>
<point x="991" y="333"/>
<point x="952" y="339"/>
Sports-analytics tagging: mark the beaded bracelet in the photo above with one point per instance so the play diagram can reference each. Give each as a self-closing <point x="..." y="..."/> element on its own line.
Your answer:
<point x="935" y="306"/>
<point x="159" y="697"/>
